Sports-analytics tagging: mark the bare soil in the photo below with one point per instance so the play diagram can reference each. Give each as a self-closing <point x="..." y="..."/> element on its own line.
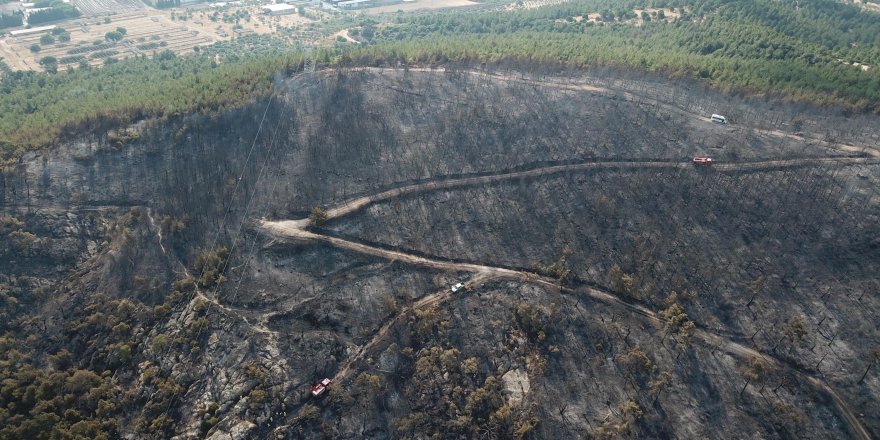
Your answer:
<point x="419" y="5"/>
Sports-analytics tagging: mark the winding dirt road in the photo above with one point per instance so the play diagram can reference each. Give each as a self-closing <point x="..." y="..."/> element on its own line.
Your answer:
<point x="382" y="333"/>
<point x="294" y="227"/>
<point x="297" y="231"/>
<point x="634" y="97"/>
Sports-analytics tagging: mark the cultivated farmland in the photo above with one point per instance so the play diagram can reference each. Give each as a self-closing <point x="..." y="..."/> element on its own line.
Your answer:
<point x="145" y="35"/>
<point x="107" y="7"/>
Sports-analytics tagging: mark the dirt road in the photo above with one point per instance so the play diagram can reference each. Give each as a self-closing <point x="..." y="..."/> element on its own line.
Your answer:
<point x="382" y="333"/>
<point x="356" y="204"/>
<point x="629" y="96"/>
<point x="297" y="231"/>
<point x="485" y="272"/>
<point x="855" y="426"/>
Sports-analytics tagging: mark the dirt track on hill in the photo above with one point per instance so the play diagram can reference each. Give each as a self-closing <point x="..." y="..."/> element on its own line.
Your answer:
<point x="629" y="96"/>
<point x="297" y="231"/>
<point x="349" y="206"/>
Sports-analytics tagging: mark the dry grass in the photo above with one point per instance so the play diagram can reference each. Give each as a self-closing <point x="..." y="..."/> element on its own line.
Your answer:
<point x="143" y="27"/>
<point x="420" y="5"/>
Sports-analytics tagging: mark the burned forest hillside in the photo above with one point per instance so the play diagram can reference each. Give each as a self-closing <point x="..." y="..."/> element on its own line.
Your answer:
<point x="465" y="252"/>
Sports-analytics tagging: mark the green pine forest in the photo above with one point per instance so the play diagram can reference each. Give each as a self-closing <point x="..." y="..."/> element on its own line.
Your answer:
<point x="782" y="49"/>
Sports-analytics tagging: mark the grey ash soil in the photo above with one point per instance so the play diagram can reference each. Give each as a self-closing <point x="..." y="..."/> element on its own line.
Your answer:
<point x="758" y="248"/>
<point x="288" y="314"/>
<point x="325" y="287"/>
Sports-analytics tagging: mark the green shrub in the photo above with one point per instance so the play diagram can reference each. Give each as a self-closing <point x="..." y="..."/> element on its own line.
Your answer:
<point x="210" y="266"/>
<point x="318" y="216"/>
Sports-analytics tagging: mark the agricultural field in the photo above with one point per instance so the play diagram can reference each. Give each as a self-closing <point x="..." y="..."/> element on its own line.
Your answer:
<point x="107" y="7"/>
<point x="222" y="23"/>
<point x="144" y="35"/>
<point x="148" y="32"/>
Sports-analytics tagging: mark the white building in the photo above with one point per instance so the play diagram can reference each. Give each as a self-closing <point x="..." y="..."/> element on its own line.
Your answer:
<point x="352" y="4"/>
<point x="279" y="9"/>
<point x="35" y="30"/>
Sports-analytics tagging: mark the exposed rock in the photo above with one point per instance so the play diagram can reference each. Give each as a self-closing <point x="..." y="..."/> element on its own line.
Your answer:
<point x="516" y="386"/>
<point x="238" y="432"/>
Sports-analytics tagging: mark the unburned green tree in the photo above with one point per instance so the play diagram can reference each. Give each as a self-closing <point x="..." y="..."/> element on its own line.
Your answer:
<point x="318" y="216"/>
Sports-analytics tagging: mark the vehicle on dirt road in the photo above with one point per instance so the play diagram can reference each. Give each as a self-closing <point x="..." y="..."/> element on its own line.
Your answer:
<point x="702" y="160"/>
<point x="457" y="287"/>
<point x="321" y="387"/>
<point x="719" y="119"/>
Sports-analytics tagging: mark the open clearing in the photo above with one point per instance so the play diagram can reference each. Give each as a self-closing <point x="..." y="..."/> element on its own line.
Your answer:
<point x="420" y="5"/>
<point x="533" y="4"/>
<point x="222" y="30"/>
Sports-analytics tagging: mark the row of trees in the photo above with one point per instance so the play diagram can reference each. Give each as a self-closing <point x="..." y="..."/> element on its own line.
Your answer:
<point x="10" y="20"/>
<point x="826" y="84"/>
<point x="58" y="11"/>
<point x="163" y="4"/>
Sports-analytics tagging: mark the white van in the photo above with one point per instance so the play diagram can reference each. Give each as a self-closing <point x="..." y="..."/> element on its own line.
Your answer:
<point x="719" y="119"/>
